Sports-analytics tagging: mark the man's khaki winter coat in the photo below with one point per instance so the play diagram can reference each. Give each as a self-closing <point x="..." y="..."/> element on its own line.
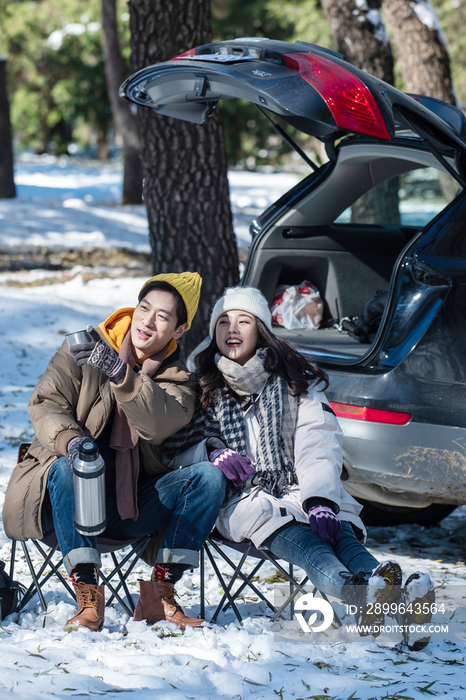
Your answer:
<point x="71" y="401"/>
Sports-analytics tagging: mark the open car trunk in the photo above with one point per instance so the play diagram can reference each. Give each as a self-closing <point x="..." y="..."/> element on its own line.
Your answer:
<point x="382" y="136"/>
<point x="320" y="238"/>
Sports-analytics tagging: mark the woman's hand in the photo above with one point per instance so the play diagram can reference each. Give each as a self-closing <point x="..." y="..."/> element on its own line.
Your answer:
<point x="99" y="355"/>
<point x="325" y="523"/>
<point x="233" y="465"/>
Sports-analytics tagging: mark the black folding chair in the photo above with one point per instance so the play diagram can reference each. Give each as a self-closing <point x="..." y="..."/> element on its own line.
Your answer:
<point x="47" y="547"/>
<point x="217" y="543"/>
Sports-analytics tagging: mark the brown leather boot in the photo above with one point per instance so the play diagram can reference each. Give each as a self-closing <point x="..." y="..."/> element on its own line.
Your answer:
<point x="91" y="607"/>
<point x="157" y="602"/>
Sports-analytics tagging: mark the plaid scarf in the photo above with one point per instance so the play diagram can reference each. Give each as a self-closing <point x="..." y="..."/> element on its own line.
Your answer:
<point x="277" y="413"/>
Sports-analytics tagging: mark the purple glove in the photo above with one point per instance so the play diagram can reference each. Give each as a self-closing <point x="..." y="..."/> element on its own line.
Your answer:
<point x="325" y="523"/>
<point x="73" y="448"/>
<point x="233" y="465"/>
<point x="99" y="355"/>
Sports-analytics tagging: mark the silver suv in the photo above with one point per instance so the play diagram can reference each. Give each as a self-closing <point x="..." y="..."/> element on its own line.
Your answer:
<point x="386" y="213"/>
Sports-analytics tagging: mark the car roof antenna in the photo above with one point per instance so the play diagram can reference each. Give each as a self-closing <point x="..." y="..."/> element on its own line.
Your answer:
<point x="289" y="140"/>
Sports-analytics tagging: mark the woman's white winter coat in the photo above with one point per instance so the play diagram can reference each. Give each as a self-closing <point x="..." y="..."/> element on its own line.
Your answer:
<point x="318" y="438"/>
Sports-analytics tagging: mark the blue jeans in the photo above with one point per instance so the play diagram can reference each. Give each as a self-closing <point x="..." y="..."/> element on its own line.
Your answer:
<point x="185" y="502"/>
<point x="326" y="566"/>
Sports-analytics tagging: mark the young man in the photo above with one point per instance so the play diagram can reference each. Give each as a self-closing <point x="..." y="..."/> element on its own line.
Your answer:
<point x="128" y="391"/>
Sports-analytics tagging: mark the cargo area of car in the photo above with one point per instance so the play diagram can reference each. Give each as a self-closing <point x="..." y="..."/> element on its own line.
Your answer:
<point x="348" y="264"/>
<point x="325" y="340"/>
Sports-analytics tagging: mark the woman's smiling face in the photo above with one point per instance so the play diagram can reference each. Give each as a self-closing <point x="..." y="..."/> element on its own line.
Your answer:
<point x="237" y="336"/>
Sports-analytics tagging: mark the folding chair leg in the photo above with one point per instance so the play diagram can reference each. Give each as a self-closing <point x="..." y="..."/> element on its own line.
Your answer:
<point x="115" y="594"/>
<point x="135" y="553"/>
<point x="237" y="572"/>
<point x="225" y="588"/>
<point x="245" y="584"/>
<point x="228" y="588"/>
<point x="55" y="567"/>
<point x="298" y="588"/>
<point x="291" y="591"/>
<point x="37" y="576"/>
<point x="295" y="587"/>
<point x="12" y="559"/>
<point x="123" y="582"/>
<point x="335" y="614"/>
<point x="202" y="581"/>
<point x="34" y="577"/>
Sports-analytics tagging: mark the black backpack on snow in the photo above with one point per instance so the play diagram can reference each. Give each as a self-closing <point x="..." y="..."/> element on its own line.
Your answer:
<point x="11" y="593"/>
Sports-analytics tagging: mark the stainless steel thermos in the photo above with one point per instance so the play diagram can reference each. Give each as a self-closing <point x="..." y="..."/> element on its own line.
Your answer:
<point x="89" y="490"/>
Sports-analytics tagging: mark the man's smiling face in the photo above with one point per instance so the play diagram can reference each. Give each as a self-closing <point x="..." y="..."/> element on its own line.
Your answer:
<point x="154" y="324"/>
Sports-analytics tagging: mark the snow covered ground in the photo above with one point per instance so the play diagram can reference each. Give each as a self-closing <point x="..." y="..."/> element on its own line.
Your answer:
<point x="63" y="205"/>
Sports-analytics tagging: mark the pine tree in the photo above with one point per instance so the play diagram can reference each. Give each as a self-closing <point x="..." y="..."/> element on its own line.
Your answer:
<point x="7" y="183"/>
<point x="185" y="165"/>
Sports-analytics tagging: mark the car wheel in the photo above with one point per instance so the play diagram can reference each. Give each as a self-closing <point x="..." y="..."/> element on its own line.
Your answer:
<point x="381" y="514"/>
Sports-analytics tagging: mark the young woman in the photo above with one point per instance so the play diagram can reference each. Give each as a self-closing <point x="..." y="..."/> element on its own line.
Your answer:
<point x="282" y="451"/>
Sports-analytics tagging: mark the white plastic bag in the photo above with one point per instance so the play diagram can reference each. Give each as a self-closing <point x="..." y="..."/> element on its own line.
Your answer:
<point x="298" y="306"/>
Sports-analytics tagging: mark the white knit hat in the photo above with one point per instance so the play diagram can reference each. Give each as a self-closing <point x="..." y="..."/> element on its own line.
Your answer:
<point x="247" y="299"/>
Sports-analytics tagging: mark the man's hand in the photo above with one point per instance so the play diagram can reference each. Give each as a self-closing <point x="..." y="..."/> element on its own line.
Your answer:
<point x="72" y="448"/>
<point x="325" y="523"/>
<point x="233" y="465"/>
<point x="99" y="355"/>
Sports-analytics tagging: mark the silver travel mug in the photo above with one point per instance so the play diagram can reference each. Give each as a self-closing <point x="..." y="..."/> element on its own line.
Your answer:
<point x="77" y="338"/>
<point x="89" y="490"/>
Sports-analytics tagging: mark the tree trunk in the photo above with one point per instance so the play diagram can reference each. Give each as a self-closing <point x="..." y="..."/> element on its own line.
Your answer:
<point x="421" y="48"/>
<point x="102" y="145"/>
<point x="379" y="205"/>
<point x="360" y="35"/>
<point x="185" y="165"/>
<point x="126" y="122"/>
<point x="7" y="183"/>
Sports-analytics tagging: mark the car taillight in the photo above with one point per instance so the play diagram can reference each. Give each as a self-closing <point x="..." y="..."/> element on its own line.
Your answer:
<point x="191" y="52"/>
<point x="374" y="415"/>
<point x="351" y="103"/>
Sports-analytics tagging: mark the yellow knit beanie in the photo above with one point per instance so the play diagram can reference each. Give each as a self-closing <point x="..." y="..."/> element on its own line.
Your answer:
<point x="188" y="284"/>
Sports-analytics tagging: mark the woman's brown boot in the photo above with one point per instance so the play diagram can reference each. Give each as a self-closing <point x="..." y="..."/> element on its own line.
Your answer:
<point x="157" y="602"/>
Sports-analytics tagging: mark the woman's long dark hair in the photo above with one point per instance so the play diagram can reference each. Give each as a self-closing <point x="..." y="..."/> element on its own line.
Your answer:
<point x="282" y="358"/>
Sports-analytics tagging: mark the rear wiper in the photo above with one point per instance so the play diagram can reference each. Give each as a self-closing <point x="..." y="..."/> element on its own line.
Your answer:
<point x="289" y="140"/>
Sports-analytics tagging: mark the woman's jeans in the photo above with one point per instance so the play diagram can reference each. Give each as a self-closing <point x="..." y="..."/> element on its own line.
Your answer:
<point x="185" y="502"/>
<point x="326" y="566"/>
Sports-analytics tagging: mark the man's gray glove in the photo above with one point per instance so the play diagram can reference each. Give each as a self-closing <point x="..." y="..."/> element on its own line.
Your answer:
<point x="99" y="355"/>
<point x="72" y="448"/>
